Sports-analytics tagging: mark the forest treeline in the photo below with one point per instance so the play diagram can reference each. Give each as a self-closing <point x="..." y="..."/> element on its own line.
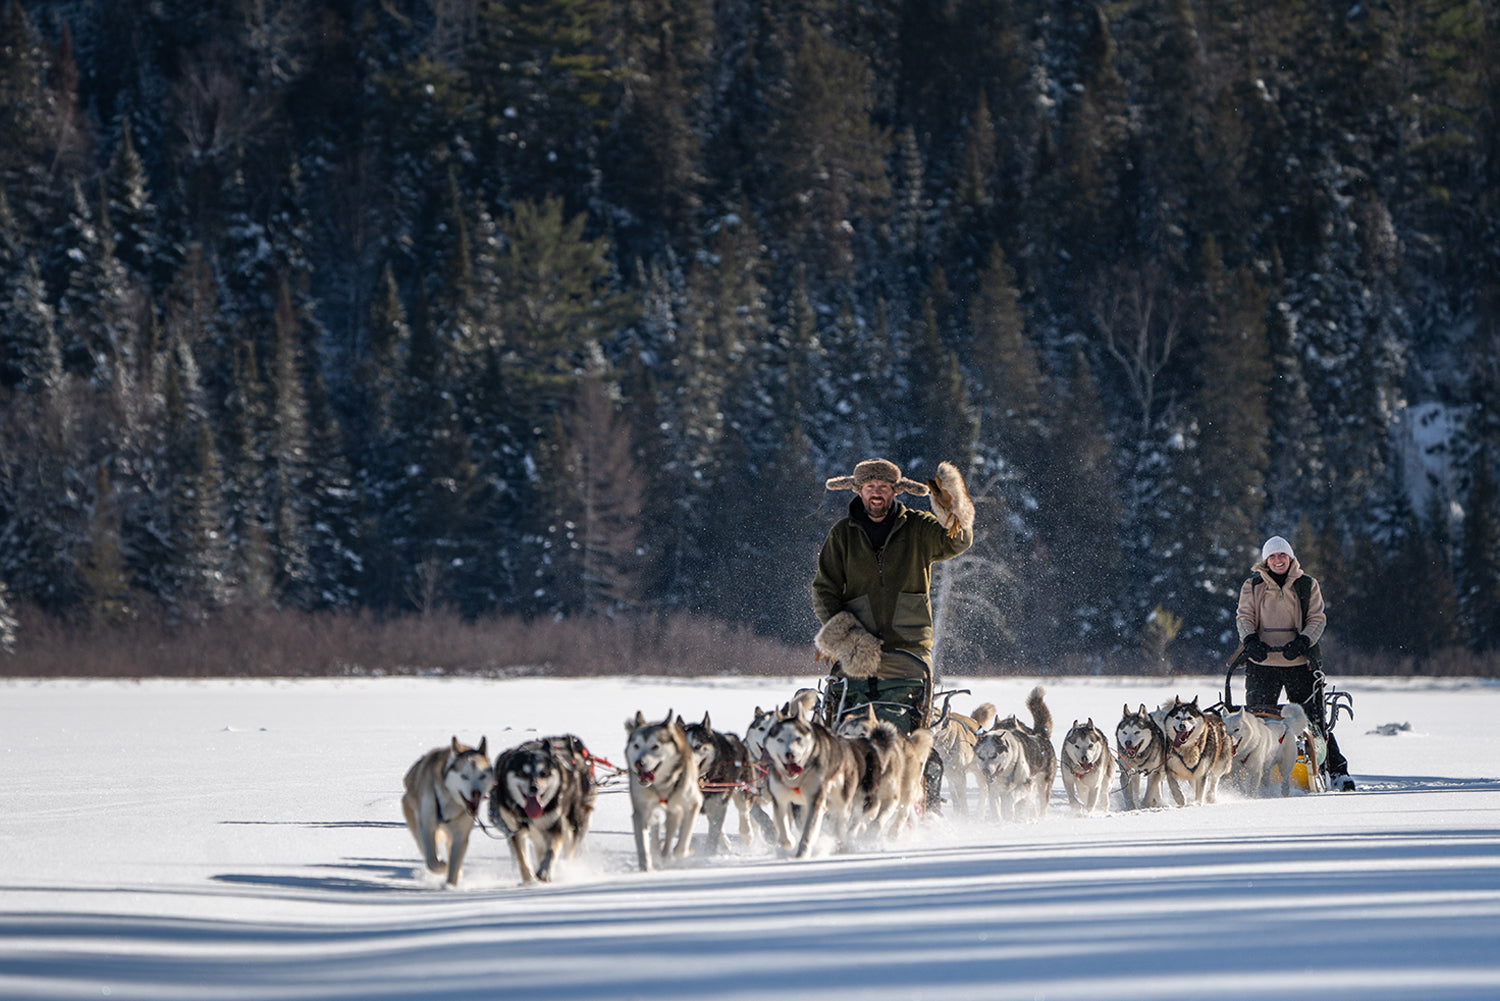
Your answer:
<point x="564" y="310"/>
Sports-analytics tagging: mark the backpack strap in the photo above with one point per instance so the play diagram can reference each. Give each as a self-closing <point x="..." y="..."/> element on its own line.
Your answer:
<point x="1302" y="586"/>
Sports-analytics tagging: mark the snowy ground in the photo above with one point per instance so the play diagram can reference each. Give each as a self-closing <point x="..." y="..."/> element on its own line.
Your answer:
<point x="243" y="840"/>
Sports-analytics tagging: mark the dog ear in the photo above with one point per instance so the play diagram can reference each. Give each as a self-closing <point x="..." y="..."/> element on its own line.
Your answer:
<point x="484" y="746"/>
<point x="706" y="724"/>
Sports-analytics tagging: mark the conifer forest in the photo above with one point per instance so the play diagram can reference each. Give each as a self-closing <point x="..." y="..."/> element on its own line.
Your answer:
<point x="566" y="309"/>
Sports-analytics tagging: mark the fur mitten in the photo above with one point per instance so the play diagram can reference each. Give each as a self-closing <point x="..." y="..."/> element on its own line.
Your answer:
<point x="950" y="500"/>
<point x="844" y="640"/>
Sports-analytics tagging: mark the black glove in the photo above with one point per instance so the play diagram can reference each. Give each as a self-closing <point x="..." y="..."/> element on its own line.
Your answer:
<point x="1298" y="647"/>
<point x="1256" y="649"/>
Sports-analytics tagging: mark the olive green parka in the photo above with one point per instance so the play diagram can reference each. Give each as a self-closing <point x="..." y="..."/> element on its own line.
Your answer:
<point x="889" y="591"/>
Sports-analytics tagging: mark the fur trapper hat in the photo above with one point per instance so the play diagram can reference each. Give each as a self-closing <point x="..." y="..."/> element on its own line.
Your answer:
<point x="1276" y="544"/>
<point x="878" y="469"/>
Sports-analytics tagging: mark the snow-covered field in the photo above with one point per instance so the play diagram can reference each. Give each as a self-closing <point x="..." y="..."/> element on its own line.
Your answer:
<point x="216" y="840"/>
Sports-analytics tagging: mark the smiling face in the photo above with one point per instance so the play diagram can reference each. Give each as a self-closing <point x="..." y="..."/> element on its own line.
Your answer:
<point x="1278" y="562"/>
<point x="878" y="496"/>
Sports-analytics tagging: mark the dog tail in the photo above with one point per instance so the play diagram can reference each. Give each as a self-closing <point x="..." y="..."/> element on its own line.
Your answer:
<point x="1041" y="716"/>
<point x="1295" y="716"/>
<point x="921" y="740"/>
<point x="984" y="715"/>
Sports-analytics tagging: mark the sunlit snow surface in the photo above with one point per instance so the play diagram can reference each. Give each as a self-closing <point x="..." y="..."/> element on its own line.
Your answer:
<point x="243" y="840"/>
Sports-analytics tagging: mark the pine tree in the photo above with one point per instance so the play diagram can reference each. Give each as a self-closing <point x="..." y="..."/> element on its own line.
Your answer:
<point x="1230" y="419"/>
<point x="29" y="115"/>
<point x="30" y="357"/>
<point x="546" y="90"/>
<point x="247" y="492"/>
<point x="289" y="460"/>
<point x="607" y="500"/>
<point x="1479" y="557"/>
<point x="100" y="310"/>
<point x="201" y="565"/>
<point x="133" y="216"/>
<point x="106" y="589"/>
<point x="654" y="143"/>
<point x="829" y="156"/>
<point x="1011" y="380"/>
<point x="559" y="298"/>
<point x="9" y="624"/>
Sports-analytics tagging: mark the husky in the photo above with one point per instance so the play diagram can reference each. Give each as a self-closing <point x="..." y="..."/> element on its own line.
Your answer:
<point x="544" y="799"/>
<point x="1017" y="763"/>
<point x="804" y="703"/>
<point x="664" y="794"/>
<point x="1088" y="768"/>
<point x="443" y="790"/>
<point x="1261" y="745"/>
<point x="725" y="775"/>
<point x="891" y="783"/>
<point x="814" y="770"/>
<point x="954" y="736"/>
<point x="1141" y="752"/>
<point x="1197" y="751"/>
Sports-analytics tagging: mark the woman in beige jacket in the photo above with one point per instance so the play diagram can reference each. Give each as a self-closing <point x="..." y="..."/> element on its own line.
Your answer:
<point x="1280" y="620"/>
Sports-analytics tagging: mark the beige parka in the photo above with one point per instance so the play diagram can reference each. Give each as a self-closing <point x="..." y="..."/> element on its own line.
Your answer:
<point x="1275" y="612"/>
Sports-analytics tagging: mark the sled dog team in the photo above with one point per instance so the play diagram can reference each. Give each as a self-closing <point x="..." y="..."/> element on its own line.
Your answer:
<point x="791" y="777"/>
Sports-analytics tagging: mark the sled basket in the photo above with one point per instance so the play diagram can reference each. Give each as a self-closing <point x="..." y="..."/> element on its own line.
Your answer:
<point x="1312" y="750"/>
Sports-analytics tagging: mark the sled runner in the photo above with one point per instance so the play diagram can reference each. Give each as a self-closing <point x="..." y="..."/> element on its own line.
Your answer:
<point x="1309" y="771"/>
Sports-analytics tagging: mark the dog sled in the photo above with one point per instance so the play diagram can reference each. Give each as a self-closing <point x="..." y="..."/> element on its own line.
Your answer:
<point x="1310" y="771"/>
<point x="835" y="704"/>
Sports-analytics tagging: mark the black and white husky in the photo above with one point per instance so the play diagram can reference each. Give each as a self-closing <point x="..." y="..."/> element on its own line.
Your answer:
<point x="1262" y="745"/>
<point x="1141" y="752"/>
<point x="726" y="775"/>
<point x="544" y="799"/>
<point x="1016" y="762"/>
<point x="1088" y="769"/>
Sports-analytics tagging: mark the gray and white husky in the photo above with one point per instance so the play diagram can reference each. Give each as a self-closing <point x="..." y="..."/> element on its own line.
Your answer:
<point x="954" y="736"/>
<point x="1088" y="769"/>
<point x="804" y="702"/>
<point x="443" y="790"/>
<point x="1141" y="752"/>
<point x="813" y="770"/>
<point x="1261" y="745"/>
<point x="1016" y="762"/>
<point x="664" y="795"/>
<point x="1197" y="751"/>
<point x="543" y="799"/>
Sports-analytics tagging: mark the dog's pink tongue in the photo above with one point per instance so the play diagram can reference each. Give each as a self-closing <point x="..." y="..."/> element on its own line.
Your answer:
<point x="533" y="808"/>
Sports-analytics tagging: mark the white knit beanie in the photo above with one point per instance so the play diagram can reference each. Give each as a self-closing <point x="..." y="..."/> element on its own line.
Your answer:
<point x="1276" y="544"/>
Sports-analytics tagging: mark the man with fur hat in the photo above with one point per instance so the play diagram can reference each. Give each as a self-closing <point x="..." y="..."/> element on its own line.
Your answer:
<point x="1280" y="620"/>
<point x="871" y="591"/>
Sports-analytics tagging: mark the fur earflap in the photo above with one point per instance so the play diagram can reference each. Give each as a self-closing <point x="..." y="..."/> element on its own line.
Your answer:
<point x="950" y="500"/>
<point x="844" y="640"/>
